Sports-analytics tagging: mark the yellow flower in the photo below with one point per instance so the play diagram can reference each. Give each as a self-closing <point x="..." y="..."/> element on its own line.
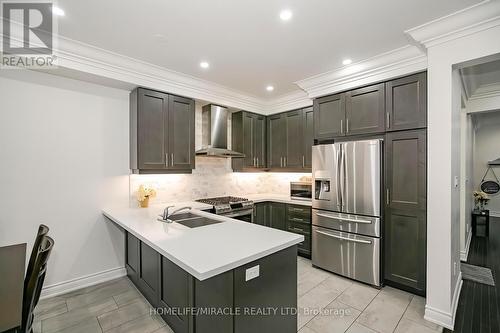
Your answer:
<point x="145" y="192"/>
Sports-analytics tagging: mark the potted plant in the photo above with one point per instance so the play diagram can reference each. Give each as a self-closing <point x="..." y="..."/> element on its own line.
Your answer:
<point x="144" y="194"/>
<point x="480" y="199"/>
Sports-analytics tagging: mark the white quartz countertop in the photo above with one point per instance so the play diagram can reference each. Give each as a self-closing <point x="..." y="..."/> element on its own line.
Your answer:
<point x="205" y="251"/>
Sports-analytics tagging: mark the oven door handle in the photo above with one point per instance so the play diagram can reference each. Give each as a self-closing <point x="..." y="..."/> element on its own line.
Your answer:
<point x="239" y="213"/>
<point x="344" y="238"/>
<point x="343" y="219"/>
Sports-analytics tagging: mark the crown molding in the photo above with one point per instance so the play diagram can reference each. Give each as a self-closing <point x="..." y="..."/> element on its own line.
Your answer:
<point x="290" y="101"/>
<point x="405" y="60"/>
<point x="470" y="20"/>
<point x="86" y="58"/>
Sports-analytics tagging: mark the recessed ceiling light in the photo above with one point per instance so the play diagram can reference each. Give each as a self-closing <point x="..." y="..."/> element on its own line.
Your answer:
<point x="286" y="14"/>
<point x="346" y="62"/>
<point x="57" y="11"/>
<point x="269" y="88"/>
<point x="204" y="64"/>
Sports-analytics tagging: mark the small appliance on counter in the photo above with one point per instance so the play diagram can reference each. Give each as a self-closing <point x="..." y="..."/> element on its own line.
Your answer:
<point x="301" y="190"/>
<point x="346" y="209"/>
<point x="234" y="207"/>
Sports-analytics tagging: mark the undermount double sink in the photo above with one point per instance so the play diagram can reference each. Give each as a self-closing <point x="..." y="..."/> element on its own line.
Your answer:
<point x="191" y="220"/>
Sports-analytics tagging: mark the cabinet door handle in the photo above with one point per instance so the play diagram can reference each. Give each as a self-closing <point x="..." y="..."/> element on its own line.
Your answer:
<point x="281" y="161"/>
<point x="172" y="159"/>
<point x="257" y="162"/>
<point x="166" y="160"/>
<point x="347" y="125"/>
<point x="296" y="229"/>
<point x="341" y="126"/>
<point x="303" y="161"/>
<point x="388" y="119"/>
<point x="253" y="160"/>
<point x="284" y="162"/>
<point x="387" y="197"/>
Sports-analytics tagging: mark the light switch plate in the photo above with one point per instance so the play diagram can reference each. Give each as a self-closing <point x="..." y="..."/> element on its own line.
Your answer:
<point x="252" y="273"/>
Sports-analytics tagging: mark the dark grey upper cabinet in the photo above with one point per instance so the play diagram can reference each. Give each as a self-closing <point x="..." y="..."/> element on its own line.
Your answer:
<point x="365" y="110"/>
<point x="308" y="140"/>
<point x="406" y="102"/>
<point x="181" y="133"/>
<point x="260" y="141"/>
<point x="329" y="117"/>
<point x="161" y="132"/>
<point x="294" y="144"/>
<point x="405" y="213"/>
<point x="248" y="137"/>
<point x="276" y="139"/>
<point x="151" y="129"/>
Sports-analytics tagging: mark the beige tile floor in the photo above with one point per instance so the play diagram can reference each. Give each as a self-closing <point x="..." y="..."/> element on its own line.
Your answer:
<point x="327" y="303"/>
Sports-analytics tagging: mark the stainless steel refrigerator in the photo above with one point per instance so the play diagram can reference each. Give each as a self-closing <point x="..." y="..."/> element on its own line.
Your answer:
<point x="346" y="214"/>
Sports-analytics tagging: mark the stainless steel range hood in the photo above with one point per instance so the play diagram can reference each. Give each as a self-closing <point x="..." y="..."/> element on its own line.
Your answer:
<point x="214" y="133"/>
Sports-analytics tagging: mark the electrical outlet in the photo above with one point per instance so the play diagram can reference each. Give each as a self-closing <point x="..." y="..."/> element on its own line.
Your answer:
<point x="252" y="273"/>
<point x="456" y="181"/>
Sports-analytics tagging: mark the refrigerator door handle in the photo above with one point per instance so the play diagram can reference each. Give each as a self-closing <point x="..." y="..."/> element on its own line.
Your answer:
<point x="339" y="176"/>
<point x="342" y="176"/>
<point x="343" y="218"/>
<point x="344" y="238"/>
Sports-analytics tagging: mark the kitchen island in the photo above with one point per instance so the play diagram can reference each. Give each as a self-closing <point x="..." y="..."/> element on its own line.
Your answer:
<point x="230" y="276"/>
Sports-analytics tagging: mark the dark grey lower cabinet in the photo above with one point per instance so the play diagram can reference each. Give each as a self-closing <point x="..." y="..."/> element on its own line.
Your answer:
<point x="260" y="215"/>
<point x="176" y="294"/>
<point x="225" y="303"/>
<point x="405" y="210"/>
<point x="277" y="215"/>
<point x="275" y="288"/>
<point x="288" y="217"/>
<point x="132" y="256"/>
<point x="299" y="222"/>
<point x="148" y="281"/>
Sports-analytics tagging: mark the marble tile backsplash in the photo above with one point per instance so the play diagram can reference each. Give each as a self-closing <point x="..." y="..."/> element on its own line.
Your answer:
<point x="212" y="177"/>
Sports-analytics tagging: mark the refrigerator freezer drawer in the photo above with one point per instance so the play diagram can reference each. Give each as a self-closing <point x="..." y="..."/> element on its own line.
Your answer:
<point x="350" y="255"/>
<point x="365" y="225"/>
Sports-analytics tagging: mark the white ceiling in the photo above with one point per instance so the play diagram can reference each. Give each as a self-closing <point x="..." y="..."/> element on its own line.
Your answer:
<point x="247" y="45"/>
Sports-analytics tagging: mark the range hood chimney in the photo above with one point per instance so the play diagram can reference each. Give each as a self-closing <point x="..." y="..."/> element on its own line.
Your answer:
<point x="214" y="133"/>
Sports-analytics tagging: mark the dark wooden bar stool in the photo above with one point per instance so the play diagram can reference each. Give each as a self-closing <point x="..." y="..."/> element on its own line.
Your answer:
<point x="35" y="282"/>
<point x="43" y="230"/>
<point x="481" y="214"/>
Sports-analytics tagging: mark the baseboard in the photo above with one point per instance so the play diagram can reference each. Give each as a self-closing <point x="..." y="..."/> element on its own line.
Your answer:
<point x="444" y="318"/>
<point x="82" y="282"/>
<point x="465" y="254"/>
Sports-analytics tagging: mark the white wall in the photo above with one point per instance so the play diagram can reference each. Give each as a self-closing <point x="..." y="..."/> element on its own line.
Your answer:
<point x="64" y="154"/>
<point x="443" y="283"/>
<point x="467" y="138"/>
<point x="487" y="148"/>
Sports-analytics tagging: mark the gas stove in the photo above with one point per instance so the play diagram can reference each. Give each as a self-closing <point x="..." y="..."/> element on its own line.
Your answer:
<point x="229" y="206"/>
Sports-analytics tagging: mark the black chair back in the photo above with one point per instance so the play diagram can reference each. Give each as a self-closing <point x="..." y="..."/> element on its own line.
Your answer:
<point x="43" y="230"/>
<point x="35" y="283"/>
